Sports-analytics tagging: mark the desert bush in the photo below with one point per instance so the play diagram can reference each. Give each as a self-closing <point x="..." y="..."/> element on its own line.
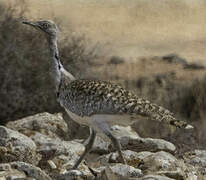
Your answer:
<point x="116" y="60"/>
<point x="25" y="86"/>
<point x="194" y="66"/>
<point x="174" y="58"/>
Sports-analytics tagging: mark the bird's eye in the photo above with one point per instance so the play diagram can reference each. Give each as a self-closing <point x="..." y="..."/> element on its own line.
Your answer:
<point x="45" y="25"/>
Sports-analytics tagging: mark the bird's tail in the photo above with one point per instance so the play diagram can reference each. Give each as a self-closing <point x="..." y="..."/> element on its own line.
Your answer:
<point x="158" y="113"/>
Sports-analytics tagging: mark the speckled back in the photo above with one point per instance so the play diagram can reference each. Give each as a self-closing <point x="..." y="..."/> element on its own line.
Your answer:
<point x="87" y="97"/>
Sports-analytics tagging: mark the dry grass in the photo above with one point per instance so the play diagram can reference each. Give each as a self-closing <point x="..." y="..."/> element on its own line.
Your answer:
<point x="144" y="67"/>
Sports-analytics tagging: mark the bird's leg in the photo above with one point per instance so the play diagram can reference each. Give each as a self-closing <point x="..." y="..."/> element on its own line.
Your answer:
<point x="88" y="147"/>
<point x="116" y="145"/>
<point x="101" y="122"/>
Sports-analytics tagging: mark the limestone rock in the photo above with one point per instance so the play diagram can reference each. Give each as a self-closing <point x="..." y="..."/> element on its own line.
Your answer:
<point x="100" y="146"/>
<point x="177" y="174"/>
<point x="193" y="176"/>
<point x="55" y="147"/>
<point x="21" y="170"/>
<point x="126" y="171"/>
<point x="15" y="146"/>
<point x="159" y="161"/>
<point x="196" y="163"/>
<point x="120" y="170"/>
<point x="30" y="170"/>
<point x="6" y="172"/>
<point x="132" y="158"/>
<point x="198" y="157"/>
<point x="51" y="125"/>
<point x="5" y="167"/>
<point x="73" y="175"/>
<point x="60" y="168"/>
<point x="129" y="139"/>
<point x="155" y="177"/>
<point x="12" y="175"/>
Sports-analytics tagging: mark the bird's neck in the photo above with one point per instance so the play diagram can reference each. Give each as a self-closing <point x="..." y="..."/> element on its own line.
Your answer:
<point x="57" y="69"/>
<point x="55" y="63"/>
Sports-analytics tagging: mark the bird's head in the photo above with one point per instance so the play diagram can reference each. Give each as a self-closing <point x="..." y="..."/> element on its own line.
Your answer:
<point x="47" y="26"/>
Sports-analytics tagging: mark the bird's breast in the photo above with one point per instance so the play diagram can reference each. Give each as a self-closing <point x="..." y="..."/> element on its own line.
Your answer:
<point x="83" y="120"/>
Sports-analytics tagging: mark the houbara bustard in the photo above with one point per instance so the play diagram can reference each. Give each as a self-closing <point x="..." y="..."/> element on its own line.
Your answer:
<point x="97" y="104"/>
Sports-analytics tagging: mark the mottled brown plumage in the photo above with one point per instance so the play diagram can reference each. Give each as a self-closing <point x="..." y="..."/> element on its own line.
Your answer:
<point x="88" y="97"/>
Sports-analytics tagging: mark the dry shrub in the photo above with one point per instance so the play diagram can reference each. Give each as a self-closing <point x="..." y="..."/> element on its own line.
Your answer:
<point x="25" y="86"/>
<point x="116" y="60"/>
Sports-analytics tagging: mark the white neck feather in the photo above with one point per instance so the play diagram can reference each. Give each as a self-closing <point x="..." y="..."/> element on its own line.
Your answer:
<point x="57" y="68"/>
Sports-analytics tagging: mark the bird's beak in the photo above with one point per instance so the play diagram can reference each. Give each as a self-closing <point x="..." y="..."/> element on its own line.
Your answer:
<point x="30" y="23"/>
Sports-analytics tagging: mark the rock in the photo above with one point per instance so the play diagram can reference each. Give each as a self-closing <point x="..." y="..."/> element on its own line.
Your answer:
<point x="15" y="146"/>
<point x="30" y="170"/>
<point x="155" y="177"/>
<point x="198" y="157"/>
<point x="51" y="125"/>
<point x="196" y="164"/>
<point x="59" y="156"/>
<point x="62" y="165"/>
<point x="129" y="139"/>
<point x="145" y="144"/>
<point x="159" y="161"/>
<point x="100" y="146"/>
<point x="143" y="154"/>
<point x="6" y="172"/>
<point x="5" y="167"/>
<point x="73" y="175"/>
<point x="41" y="139"/>
<point x="106" y="174"/>
<point x="126" y="171"/>
<point x="15" y="138"/>
<point x="121" y="170"/>
<point x="12" y="175"/>
<point x="55" y="147"/>
<point x="193" y="176"/>
<point x="132" y="158"/>
<point x="21" y="170"/>
<point x="177" y="174"/>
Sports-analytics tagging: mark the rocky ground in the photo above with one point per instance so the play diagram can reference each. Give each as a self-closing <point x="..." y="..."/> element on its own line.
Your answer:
<point x="40" y="147"/>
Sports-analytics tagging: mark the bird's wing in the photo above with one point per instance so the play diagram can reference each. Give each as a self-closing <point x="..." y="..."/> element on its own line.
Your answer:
<point x="89" y="97"/>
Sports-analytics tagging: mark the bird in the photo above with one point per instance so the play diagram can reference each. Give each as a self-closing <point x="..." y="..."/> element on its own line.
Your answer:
<point x="96" y="103"/>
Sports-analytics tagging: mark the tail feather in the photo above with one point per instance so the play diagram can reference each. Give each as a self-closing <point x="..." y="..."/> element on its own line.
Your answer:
<point x="158" y="113"/>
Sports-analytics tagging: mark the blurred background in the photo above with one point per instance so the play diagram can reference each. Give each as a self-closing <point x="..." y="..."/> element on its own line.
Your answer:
<point x="153" y="48"/>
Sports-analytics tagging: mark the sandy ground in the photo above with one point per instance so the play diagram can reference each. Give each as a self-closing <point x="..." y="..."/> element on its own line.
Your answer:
<point x="133" y="28"/>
